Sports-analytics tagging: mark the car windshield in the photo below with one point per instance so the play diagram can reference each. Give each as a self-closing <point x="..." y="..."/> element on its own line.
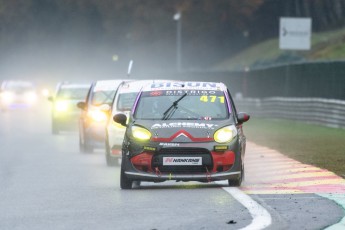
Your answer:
<point x="209" y="105"/>
<point x="72" y="93"/>
<point x="125" y="101"/>
<point x="19" y="86"/>
<point x="103" y="97"/>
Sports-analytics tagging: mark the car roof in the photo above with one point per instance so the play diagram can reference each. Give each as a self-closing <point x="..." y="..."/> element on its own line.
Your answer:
<point x="183" y="85"/>
<point x="18" y="83"/>
<point x="107" y="85"/>
<point x="136" y="86"/>
<point x="74" y="85"/>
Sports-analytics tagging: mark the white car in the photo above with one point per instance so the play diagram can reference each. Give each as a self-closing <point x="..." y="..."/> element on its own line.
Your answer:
<point x="17" y="94"/>
<point x="123" y="103"/>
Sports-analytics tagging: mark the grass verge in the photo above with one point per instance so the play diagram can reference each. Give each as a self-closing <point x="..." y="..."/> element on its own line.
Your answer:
<point x="310" y="144"/>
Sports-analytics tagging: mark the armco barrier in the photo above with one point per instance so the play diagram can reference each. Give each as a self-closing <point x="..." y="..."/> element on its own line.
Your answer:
<point x="319" y="111"/>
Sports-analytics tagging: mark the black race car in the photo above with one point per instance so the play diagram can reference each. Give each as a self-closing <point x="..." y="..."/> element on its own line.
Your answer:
<point x="183" y="131"/>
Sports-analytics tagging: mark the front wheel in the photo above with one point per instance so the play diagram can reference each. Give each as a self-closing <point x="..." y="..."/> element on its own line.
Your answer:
<point x="125" y="183"/>
<point x="237" y="181"/>
<point x="88" y="148"/>
<point x="81" y="145"/>
<point x="55" y="128"/>
<point x="111" y="161"/>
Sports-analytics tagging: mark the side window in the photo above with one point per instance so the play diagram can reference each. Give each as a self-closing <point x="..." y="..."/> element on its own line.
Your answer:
<point x="233" y="106"/>
<point x="88" y="99"/>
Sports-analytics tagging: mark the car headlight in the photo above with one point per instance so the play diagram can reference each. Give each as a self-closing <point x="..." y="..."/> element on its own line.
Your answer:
<point x="141" y="133"/>
<point x="225" y="134"/>
<point x="97" y="115"/>
<point x="61" y="106"/>
<point x="45" y="92"/>
<point x="31" y="97"/>
<point x="7" y="97"/>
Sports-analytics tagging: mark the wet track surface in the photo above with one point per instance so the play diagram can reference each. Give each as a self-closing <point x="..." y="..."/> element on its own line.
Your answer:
<point x="46" y="183"/>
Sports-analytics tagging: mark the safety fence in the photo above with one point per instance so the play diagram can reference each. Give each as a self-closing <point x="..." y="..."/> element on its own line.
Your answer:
<point x="327" y="112"/>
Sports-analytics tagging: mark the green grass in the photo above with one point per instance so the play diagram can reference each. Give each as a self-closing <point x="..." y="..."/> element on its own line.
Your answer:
<point x="310" y="144"/>
<point x="325" y="46"/>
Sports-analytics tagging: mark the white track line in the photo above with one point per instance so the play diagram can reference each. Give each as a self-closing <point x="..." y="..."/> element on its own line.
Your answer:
<point x="261" y="217"/>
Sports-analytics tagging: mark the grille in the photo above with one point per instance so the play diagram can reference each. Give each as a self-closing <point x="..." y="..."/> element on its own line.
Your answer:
<point x="157" y="160"/>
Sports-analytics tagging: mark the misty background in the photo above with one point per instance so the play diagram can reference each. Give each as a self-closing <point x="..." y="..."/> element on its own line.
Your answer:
<point x="93" y="39"/>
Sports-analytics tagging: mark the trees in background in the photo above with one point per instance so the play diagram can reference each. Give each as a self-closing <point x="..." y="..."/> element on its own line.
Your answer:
<point x="145" y="29"/>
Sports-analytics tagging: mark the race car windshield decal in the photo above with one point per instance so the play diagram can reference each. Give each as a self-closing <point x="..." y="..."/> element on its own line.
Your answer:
<point x="184" y="125"/>
<point x="195" y="105"/>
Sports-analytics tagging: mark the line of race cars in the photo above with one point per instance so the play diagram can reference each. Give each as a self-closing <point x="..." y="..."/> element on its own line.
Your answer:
<point x="157" y="130"/>
<point x="17" y="94"/>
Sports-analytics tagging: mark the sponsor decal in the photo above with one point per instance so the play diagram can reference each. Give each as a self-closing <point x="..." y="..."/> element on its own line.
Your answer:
<point x="184" y="125"/>
<point x="197" y="85"/>
<point x="169" y="144"/>
<point x="221" y="147"/>
<point x="156" y="93"/>
<point x="184" y="134"/>
<point x="182" y="160"/>
<point x="190" y="92"/>
<point x="148" y="148"/>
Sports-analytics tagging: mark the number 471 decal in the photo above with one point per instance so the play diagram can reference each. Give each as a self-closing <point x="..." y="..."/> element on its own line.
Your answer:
<point x="212" y="99"/>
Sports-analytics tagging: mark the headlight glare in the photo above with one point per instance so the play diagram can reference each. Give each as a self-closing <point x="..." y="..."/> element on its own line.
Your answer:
<point x="97" y="115"/>
<point x="31" y="97"/>
<point x="141" y="133"/>
<point x="225" y="134"/>
<point x="7" y="97"/>
<point x="61" y="106"/>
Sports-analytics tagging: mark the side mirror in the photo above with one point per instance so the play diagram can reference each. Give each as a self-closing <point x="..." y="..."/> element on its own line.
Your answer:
<point x="81" y="105"/>
<point x="121" y="119"/>
<point x="242" y="117"/>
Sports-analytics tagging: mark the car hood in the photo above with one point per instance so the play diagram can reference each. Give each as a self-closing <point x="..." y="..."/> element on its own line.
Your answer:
<point x="182" y="130"/>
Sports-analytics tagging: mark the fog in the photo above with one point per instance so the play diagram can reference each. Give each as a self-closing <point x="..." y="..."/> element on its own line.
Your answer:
<point x="78" y="60"/>
<point x="50" y="41"/>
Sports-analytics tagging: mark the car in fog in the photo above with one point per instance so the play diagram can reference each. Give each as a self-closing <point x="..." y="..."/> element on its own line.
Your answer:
<point x="17" y="94"/>
<point x="95" y="111"/>
<point x="183" y="131"/>
<point x="122" y="103"/>
<point x="65" y="113"/>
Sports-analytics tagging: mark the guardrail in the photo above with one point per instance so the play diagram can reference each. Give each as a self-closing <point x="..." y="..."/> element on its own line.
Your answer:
<point x="327" y="112"/>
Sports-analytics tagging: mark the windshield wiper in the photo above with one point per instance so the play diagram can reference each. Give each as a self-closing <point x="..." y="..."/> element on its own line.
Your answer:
<point x="171" y="110"/>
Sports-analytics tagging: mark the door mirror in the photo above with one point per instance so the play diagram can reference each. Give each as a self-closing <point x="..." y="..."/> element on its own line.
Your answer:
<point x="81" y="105"/>
<point x="242" y="117"/>
<point x="121" y="119"/>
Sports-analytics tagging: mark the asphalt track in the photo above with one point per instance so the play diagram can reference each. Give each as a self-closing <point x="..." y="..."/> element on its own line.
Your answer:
<point x="46" y="183"/>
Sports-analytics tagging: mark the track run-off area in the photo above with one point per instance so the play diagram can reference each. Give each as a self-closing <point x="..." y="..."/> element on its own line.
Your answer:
<point x="269" y="172"/>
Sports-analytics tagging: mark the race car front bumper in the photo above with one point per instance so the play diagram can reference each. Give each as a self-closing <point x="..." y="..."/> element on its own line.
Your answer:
<point x="182" y="177"/>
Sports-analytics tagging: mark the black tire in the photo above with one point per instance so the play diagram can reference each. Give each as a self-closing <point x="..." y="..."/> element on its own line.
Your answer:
<point x="55" y="128"/>
<point x="111" y="161"/>
<point x="81" y="145"/>
<point x="125" y="183"/>
<point x="87" y="147"/>
<point x="236" y="182"/>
